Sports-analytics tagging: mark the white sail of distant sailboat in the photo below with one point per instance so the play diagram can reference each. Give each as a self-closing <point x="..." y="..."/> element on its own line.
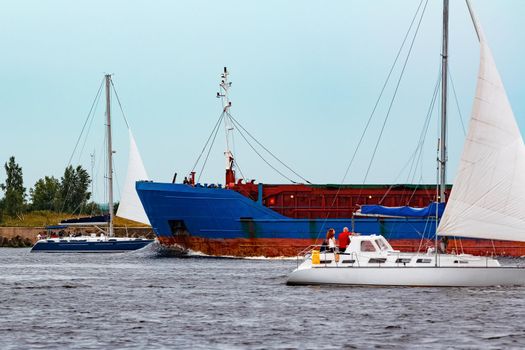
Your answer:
<point x="488" y="198"/>
<point x="130" y="206"/>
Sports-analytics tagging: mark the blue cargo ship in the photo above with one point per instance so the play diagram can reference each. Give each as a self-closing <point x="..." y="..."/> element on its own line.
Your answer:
<point x="222" y="221"/>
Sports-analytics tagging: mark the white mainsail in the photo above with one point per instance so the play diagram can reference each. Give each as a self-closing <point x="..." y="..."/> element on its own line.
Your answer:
<point x="130" y="206"/>
<point x="488" y="197"/>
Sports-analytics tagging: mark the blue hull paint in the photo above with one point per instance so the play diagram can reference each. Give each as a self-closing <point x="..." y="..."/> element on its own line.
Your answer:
<point x="89" y="247"/>
<point x="217" y="213"/>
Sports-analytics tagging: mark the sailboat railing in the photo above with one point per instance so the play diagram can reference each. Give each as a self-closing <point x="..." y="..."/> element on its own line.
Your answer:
<point x="306" y="252"/>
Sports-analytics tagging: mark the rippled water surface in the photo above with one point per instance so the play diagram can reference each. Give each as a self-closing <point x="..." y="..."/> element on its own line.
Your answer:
<point x="144" y="300"/>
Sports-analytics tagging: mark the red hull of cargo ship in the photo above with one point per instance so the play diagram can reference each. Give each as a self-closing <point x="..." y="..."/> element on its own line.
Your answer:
<point x="286" y="247"/>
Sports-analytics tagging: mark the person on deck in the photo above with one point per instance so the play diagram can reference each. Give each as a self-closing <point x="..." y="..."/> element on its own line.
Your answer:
<point x="324" y="244"/>
<point x="331" y="240"/>
<point x="443" y="243"/>
<point x="344" y="239"/>
<point x="328" y="244"/>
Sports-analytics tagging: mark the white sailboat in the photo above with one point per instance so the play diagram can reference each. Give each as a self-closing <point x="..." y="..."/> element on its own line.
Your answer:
<point x="129" y="208"/>
<point x="486" y="202"/>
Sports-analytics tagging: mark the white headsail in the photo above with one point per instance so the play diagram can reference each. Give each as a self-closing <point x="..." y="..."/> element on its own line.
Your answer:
<point x="130" y="206"/>
<point x="488" y="197"/>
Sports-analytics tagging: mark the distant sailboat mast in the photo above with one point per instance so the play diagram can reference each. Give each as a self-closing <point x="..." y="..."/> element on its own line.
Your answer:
<point x="110" y="155"/>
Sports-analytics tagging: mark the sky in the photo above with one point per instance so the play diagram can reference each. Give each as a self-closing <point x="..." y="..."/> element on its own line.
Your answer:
<point x="305" y="77"/>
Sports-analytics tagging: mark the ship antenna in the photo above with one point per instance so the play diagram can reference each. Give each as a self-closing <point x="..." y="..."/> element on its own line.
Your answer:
<point x="228" y="125"/>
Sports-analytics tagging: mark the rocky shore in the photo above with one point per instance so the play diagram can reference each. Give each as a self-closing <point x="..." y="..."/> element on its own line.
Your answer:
<point x="20" y="237"/>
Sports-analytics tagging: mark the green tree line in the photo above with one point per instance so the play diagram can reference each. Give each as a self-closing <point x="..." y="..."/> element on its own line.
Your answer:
<point x="69" y="194"/>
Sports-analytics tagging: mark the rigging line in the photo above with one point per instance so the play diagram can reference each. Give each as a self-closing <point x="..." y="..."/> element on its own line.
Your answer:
<point x="88" y="130"/>
<point x="423" y="235"/>
<point x="255" y="150"/>
<point x="119" y="104"/>
<point x="238" y="167"/>
<point x="233" y="146"/>
<point x="424" y="130"/>
<point x="457" y="102"/>
<point x="79" y="208"/>
<point x="426" y="125"/>
<point x="85" y="122"/>
<point x="97" y="172"/>
<point x="395" y="92"/>
<point x="393" y="99"/>
<point x="229" y="131"/>
<point x="270" y="153"/>
<point x="217" y="124"/>
<point x="115" y="177"/>
<point x="89" y="116"/>
<point x="417" y="153"/>
<point x="208" y="154"/>
<point x="409" y="161"/>
<point x="382" y="92"/>
<point x="361" y="138"/>
<point x="419" y="161"/>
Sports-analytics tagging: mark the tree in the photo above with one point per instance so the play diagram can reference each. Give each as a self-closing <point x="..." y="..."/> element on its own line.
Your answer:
<point x="44" y="195"/>
<point x="14" y="190"/>
<point x="92" y="208"/>
<point x="74" y="192"/>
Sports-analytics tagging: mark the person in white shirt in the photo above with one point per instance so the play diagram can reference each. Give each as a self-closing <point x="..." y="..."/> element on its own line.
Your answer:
<point x="331" y="240"/>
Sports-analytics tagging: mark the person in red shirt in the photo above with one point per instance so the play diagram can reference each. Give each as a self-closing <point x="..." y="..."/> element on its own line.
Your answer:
<point x="344" y="239"/>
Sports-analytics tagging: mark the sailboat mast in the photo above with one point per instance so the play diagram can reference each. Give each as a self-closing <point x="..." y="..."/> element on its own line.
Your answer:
<point x="443" y="139"/>
<point x="110" y="155"/>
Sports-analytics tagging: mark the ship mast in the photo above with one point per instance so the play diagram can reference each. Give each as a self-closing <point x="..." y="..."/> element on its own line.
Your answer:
<point x="228" y="125"/>
<point x="110" y="155"/>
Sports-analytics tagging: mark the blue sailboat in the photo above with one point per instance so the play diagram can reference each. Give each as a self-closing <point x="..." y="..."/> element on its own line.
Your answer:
<point x="129" y="208"/>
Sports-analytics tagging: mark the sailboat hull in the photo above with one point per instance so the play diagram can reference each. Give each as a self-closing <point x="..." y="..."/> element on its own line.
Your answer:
<point x="87" y="246"/>
<point x="410" y="276"/>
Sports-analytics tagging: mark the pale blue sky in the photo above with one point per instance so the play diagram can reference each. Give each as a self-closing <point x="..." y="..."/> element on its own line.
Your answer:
<point x="305" y="77"/>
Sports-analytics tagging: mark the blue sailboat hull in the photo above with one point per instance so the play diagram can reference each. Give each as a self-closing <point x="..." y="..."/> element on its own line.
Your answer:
<point x="77" y="246"/>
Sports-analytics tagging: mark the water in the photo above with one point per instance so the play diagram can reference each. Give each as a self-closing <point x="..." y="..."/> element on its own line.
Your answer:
<point x="143" y="300"/>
